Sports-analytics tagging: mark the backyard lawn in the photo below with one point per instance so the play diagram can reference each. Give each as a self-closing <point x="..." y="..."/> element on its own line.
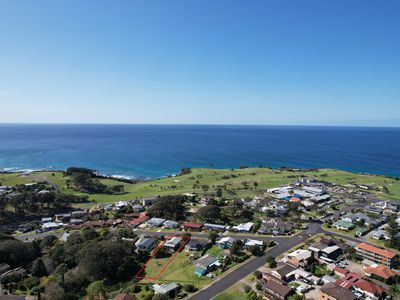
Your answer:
<point x="180" y="270"/>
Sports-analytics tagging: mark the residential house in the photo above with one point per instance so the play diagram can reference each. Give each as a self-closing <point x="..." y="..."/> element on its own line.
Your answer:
<point x="137" y="208"/>
<point x="331" y="253"/>
<point x="206" y="264"/>
<point x="62" y="217"/>
<point x="360" y="231"/>
<point x="392" y="207"/>
<point x="331" y="291"/>
<point x="51" y="226"/>
<point x="170" y="224"/>
<point x="373" y="209"/>
<point x="250" y="242"/>
<point x="343" y="225"/>
<point x="299" y="257"/>
<point x="169" y="289"/>
<point x="348" y="280"/>
<point x="173" y="243"/>
<point x="376" y="254"/>
<point x="326" y="250"/>
<point x="76" y="221"/>
<point x="225" y="242"/>
<point x="142" y="218"/>
<point x="196" y="245"/>
<point x="381" y="272"/>
<point x="246" y="227"/>
<point x="321" y="198"/>
<point x="190" y="226"/>
<point x="380" y="235"/>
<point x="275" y="290"/>
<point x="146" y="244"/>
<point x="4" y="268"/>
<point x="340" y="272"/>
<point x="148" y="201"/>
<point x="328" y="279"/>
<point x="215" y="227"/>
<point x="280" y="273"/>
<point x="155" y="222"/>
<point x="275" y="227"/>
<point x="370" y="290"/>
<point x="14" y="273"/>
<point x="78" y="214"/>
<point x="281" y="210"/>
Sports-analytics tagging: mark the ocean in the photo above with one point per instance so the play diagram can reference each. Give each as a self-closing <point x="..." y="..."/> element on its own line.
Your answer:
<point x="153" y="151"/>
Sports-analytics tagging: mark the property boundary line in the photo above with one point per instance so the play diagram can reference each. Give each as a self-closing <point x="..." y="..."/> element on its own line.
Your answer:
<point x="186" y="240"/>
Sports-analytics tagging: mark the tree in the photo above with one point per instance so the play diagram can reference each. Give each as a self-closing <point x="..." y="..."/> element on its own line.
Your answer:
<point x="219" y="192"/>
<point x="257" y="274"/>
<point x="234" y="249"/>
<point x="38" y="268"/>
<point x="31" y="282"/>
<point x="393" y="229"/>
<point x="160" y="297"/>
<point x="209" y="213"/>
<point x="17" y="253"/>
<point x="96" y="290"/>
<point x="190" y="288"/>
<point x="53" y="291"/>
<point x="108" y="259"/>
<point x="212" y="236"/>
<point x="255" y="250"/>
<point x="270" y="260"/>
<point x="117" y="189"/>
<point x="169" y="207"/>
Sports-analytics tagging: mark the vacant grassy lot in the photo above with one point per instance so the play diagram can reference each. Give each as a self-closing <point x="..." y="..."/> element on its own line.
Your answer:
<point x="235" y="292"/>
<point x="180" y="270"/>
<point x="238" y="182"/>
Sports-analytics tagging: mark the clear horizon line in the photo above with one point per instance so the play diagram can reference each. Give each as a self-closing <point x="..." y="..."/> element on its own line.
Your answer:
<point x="197" y="124"/>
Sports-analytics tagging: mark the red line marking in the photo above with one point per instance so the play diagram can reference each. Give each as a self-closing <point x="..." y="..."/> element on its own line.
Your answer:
<point x="186" y="240"/>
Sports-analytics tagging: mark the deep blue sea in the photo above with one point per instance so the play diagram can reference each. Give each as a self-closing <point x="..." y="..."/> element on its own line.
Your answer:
<point x="160" y="150"/>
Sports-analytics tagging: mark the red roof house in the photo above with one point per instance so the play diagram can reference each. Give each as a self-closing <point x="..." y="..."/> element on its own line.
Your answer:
<point x="192" y="226"/>
<point x="340" y="272"/>
<point x="139" y="220"/>
<point x="369" y="289"/>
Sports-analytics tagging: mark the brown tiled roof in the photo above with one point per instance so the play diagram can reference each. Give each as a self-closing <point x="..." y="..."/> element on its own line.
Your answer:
<point x="192" y="225"/>
<point x="278" y="288"/>
<point x="369" y="287"/>
<point x="382" y="252"/>
<point x="381" y="271"/>
<point x="337" y="292"/>
<point x="340" y="270"/>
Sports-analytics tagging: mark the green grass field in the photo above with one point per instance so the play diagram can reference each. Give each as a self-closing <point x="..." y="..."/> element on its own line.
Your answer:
<point x="180" y="270"/>
<point x="235" y="292"/>
<point x="234" y="180"/>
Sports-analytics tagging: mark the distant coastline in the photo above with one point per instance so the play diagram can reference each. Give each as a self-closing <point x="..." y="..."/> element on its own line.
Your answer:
<point x="156" y="151"/>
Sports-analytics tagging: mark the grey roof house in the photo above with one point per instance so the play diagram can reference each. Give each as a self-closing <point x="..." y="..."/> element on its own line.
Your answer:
<point x="146" y="244"/>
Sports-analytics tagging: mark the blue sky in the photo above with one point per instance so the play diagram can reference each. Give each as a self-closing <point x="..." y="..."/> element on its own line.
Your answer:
<point x="200" y="62"/>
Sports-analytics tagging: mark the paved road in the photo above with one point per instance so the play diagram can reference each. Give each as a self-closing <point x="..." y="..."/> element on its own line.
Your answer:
<point x="284" y="244"/>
